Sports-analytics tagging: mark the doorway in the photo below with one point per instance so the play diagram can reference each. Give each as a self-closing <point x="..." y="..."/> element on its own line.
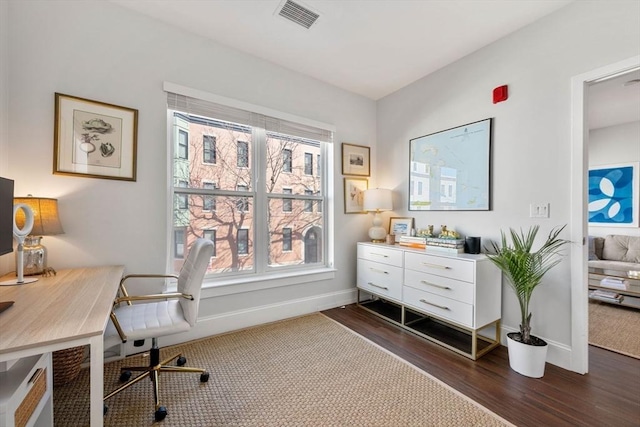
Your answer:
<point x="579" y="219"/>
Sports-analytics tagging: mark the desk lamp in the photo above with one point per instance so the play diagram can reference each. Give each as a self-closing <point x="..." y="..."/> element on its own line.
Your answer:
<point x="20" y="235"/>
<point x="46" y="222"/>
<point x="376" y="200"/>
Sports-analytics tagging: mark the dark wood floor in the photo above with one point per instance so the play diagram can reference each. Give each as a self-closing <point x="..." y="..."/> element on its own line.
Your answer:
<point x="609" y="395"/>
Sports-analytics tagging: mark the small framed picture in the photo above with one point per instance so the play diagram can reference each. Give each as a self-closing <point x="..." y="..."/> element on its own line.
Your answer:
<point x="94" y="139"/>
<point x="354" y="195"/>
<point x="400" y="226"/>
<point x="355" y="160"/>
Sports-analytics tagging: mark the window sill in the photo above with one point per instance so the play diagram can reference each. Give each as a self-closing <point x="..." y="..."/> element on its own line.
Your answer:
<point x="215" y="287"/>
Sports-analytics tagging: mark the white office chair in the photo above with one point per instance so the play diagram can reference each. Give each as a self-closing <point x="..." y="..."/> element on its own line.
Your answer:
<point x="159" y="315"/>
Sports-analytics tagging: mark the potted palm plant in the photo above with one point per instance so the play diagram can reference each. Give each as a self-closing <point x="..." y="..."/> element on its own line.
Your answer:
<point x="524" y="269"/>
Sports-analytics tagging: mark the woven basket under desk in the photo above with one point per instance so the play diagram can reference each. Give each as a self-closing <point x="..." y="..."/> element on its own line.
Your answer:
<point x="66" y="364"/>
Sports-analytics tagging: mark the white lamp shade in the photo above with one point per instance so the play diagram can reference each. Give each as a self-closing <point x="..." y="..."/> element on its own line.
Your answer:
<point x="377" y="199"/>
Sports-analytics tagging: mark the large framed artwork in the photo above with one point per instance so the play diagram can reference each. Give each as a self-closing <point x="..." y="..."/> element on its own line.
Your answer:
<point x="94" y="139"/>
<point x="451" y="170"/>
<point x="613" y="195"/>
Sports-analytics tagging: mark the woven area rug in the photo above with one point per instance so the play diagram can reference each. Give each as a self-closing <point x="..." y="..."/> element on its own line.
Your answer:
<point x="614" y="328"/>
<point x="306" y="371"/>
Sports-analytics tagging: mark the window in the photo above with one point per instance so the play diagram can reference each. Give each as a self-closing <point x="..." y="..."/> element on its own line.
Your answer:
<point x="251" y="184"/>
<point x="183" y="199"/>
<point x="243" y="241"/>
<point x="209" y="202"/>
<point x="178" y="243"/>
<point x="286" y="239"/>
<point x="183" y="144"/>
<point x="243" y="202"/>
<point x="308" y="164"/>
<point x="209" y="149"/>
<point x="210" y="235"/>
<point x="286" y="161"/>
<point x="243" y="154"/>
<point x="287" y="204"/>
<point x="308" y="204"/>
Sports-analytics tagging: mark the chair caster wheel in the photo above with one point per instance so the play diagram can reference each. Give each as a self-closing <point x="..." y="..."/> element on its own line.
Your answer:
<point x="161" y="413"/>
<point x="204" y="377"/>
<point x="105" y="408"/>
<point x="181" y="361"/>
<point x="124" y="376"/>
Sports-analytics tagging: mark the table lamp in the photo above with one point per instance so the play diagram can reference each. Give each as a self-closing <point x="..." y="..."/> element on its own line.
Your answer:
<point x="377" y="200"/>
<point x="46" y="222"/>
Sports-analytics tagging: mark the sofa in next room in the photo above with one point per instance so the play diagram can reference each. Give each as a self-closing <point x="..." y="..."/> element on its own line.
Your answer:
<point x="615" y="252"/>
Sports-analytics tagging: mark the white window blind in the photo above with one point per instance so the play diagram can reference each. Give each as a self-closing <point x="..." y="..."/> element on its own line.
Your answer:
<point x="206" y="108"/>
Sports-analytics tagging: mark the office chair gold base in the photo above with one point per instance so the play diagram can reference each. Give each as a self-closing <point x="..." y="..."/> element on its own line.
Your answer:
<point x="153" y="372"/>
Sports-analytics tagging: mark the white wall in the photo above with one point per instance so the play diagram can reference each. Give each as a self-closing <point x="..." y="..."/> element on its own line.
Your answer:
<point x="100" y="51"/>
<point x="531" y="135"/>
<point x="613" y="145"/>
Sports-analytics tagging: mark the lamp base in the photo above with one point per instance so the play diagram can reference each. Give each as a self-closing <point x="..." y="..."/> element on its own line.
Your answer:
<point x="378" y="240"/>
<point x="13" y="282"/>
<point x="34" y="259"/>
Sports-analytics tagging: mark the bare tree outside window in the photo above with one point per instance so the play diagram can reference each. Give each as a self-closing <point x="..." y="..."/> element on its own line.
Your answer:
<point x="220" y="195"/>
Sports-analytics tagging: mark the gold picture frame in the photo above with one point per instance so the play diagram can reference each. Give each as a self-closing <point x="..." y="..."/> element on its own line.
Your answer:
<point x="354" y="195"/>
<point x="355" y="160"/>
<point x="94" y="139"/>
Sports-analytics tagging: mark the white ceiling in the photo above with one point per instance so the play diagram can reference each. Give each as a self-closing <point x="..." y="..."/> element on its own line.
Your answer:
<point x="612" y="103"/>
<point x="375" y="47"/>
<point x="369" y="47"/>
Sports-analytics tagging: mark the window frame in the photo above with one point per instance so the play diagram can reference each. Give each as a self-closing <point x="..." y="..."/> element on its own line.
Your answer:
<point x="211" y="150"/>
<point x="266" y="276"/>
<point x="308" y="164"/>
<point x="287" y="239"/>
<point x="242" y="152"/>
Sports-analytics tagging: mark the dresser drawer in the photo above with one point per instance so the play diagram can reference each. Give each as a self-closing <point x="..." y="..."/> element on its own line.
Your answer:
<point x="443" y="286"/>
<point x="379" y="253"/>
<point x="453" y="268"/>
<point x="439" y="306"/>
<point x="383" y="280"/>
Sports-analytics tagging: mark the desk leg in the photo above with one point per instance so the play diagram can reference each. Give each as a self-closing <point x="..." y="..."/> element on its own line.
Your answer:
<point x="97" y="380"/>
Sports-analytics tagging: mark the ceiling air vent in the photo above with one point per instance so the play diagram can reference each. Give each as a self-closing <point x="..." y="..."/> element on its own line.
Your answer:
<point x="298" y="14"/>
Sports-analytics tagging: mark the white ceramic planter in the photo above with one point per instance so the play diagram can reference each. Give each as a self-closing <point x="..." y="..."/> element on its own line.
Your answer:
<point x="527" y="360"/>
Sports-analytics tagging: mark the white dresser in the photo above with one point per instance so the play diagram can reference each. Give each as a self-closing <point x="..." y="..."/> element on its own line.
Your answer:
<point x="452" y="299"/>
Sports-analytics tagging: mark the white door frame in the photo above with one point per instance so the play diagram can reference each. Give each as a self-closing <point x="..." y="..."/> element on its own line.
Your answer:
<point x="579" y="200"/>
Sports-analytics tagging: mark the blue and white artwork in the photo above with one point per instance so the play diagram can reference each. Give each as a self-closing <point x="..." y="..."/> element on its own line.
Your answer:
<point x="613" y="195"/>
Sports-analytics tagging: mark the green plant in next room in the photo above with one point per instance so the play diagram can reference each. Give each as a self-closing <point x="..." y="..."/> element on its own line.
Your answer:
<point x="524" y="268"/>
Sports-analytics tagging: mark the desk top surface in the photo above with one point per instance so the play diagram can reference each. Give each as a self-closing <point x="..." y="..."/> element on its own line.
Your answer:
<point x="73" y="304"/>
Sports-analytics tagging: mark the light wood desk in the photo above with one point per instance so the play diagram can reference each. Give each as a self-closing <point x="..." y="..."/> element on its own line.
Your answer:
<point x="58" y="312"/>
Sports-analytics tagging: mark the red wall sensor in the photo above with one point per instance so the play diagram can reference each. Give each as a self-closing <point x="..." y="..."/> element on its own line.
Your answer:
<point x="501" y="93"/>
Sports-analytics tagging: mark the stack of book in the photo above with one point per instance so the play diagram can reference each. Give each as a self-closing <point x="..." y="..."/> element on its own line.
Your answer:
<point x="446" y="245"/>
<point x="614" y="282"/>
<point x="413" y="241"/>
<point x="607" y="296"/>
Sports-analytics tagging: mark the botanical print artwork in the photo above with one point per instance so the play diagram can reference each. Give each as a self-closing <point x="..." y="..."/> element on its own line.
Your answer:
<point x="354" y="194"/>
<point x="613" y="195"/>
<point x="97" y="139"/>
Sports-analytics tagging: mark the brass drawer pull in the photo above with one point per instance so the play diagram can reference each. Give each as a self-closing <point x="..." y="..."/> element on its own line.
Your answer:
<point x="377" y="286"/>
<point x="435" y="305"/>
<point x="382" y="255"/>
<point x="434" y="285"/>
<point x="378" y="271"/>
<point x="442" y="267"/>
